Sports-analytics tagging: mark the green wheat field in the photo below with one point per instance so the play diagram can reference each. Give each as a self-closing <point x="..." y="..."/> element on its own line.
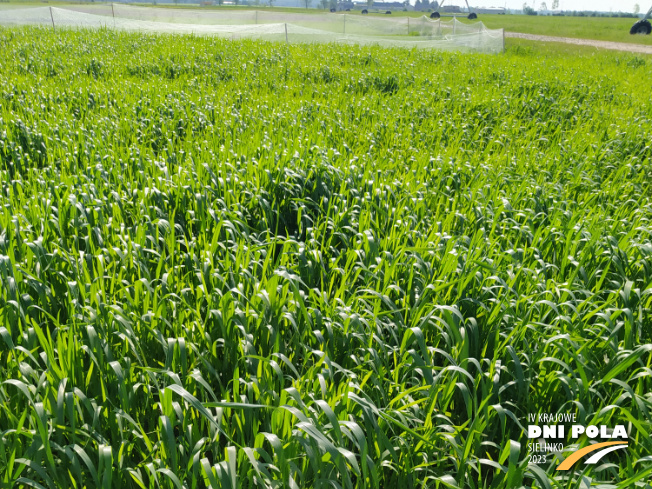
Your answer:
<point x="253" y="265"/>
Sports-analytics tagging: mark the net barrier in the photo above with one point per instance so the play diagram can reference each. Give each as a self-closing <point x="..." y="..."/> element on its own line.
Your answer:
<point x="421" y="33"/>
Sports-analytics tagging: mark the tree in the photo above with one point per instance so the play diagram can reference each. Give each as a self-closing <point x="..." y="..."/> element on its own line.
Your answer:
<point x="307" y="2"/>
<point x="637" y="8"/>
<point x="370" y="3"/>
<point x="555" y="4"/>
<point x="543" y="6"/>
<point x="417" y="5"/>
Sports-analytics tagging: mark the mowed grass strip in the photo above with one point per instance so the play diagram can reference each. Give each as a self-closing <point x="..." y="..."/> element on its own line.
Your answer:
<point x="240" y="264"/>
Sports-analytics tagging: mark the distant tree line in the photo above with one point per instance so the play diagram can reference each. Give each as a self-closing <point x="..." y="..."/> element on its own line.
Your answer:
<point x="592" y="13"/>
<point x="325" y="4"/>
<point x="426" y="5"/>
<point x="527" y="10"/>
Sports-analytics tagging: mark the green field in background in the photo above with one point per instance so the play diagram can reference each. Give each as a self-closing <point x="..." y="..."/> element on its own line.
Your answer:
<point x="599" y="28"/>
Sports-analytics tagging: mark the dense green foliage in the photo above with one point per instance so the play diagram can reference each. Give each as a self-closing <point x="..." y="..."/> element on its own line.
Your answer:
<point x="239" y="264"/>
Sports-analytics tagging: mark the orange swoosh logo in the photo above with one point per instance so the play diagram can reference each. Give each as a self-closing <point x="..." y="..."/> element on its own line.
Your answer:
<point x="570" y="461"/>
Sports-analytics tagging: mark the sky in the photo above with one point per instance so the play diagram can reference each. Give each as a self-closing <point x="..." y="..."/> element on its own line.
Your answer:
<point x="602" y="5"/>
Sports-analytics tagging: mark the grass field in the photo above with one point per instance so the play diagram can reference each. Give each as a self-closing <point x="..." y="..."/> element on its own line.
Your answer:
<point x="239" y="264"/>
<point x="599" y="28"/>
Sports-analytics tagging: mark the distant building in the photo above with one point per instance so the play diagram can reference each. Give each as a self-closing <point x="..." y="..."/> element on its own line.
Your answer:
<point x="388" y="5"/>
<point x="382" y="6"/>
<point x="489" y="10"/>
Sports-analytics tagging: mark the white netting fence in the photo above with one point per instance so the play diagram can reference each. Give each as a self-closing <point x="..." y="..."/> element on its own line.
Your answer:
<point x="451" y="35"/>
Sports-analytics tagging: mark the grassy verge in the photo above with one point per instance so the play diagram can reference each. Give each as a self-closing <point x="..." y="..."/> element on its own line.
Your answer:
<point x="599" y="28"/>
<point x="560" y="48"/>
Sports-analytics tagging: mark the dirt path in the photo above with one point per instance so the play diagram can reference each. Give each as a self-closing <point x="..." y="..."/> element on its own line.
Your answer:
<point x="617" y="46"/>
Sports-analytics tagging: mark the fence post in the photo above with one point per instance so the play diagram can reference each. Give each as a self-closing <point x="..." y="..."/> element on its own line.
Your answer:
<point x="408" y="26"/>
<point x="344" y="31"/>
<point x="256" y="21"/>
<point x="52" y="17"/>
<point x="286" y="34"/>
